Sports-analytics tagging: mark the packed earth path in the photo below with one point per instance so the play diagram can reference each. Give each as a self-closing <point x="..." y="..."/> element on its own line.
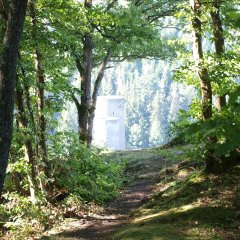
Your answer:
<point x="167" y="196"/>
<point x="100" y="225"/>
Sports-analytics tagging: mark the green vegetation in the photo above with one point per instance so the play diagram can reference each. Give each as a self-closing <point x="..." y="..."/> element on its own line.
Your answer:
<point x="188" y="204"/>
<point x="81" y="178"/>
<point x="56" y="52"/>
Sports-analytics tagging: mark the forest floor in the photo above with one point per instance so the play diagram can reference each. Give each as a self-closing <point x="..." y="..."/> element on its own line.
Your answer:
<point x="168" y="197"/>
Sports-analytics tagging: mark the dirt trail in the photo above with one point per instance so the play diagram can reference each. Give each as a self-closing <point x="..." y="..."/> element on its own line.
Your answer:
<point x="98" y="227"/>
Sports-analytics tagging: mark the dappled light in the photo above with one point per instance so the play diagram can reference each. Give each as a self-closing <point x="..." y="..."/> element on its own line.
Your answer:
<point x="119" y="120"/>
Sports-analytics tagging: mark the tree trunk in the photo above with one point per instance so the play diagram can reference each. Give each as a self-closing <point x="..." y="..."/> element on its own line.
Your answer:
<point x="85" y="70"/>
<point x="79" y="112"/>
<point x="41" y="92"/>
<point x="15" y="22"/>
<point x="86" y="87"/>
<point x="4" y="9"/>
<point x="211" y="162"/>
<point x="23" y="123"/>
<point x="218" y="42"/>
<point x="31" y="113"/>
<point x="94" y="95"/>
<point x="221" y="102"/>
<point x="26" y="86"/>
<point x="202" y="72"/>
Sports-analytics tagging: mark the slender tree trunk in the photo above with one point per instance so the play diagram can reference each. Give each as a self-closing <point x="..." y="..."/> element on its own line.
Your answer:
<point x="218" y="42"/>
<point x="94" y="95"/>
<point x="31" y="115"/>
<point x="221" y="102"/>
<point x="28" y="150"/>
<point x="79" y="112"/>
<point x="41" y="92"/>
<point x="85" y="69"/>
<point x="212" y="164"/>
<point x="30" y="112"/>
<point x="23" y="123"/>
<point x="42" y="119"/>
<point x="202" y="72"/>
<point x="86" y="88"/>
<point x="15" y="22"/>
<point x="27" y="95"/>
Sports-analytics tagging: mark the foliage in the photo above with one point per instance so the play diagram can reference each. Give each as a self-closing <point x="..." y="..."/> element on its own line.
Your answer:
<point x="218" y="137"/>
<point x="82" y="174"/>
<point x="53" y="40"/>
<point x="82" y="171"/>
<point x="187" y="203"/>
<point x="20" y="218"/>
<point x="224" y="126"/>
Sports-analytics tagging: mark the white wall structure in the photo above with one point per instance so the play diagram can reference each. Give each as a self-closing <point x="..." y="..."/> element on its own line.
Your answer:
<point x="109" y="123"/>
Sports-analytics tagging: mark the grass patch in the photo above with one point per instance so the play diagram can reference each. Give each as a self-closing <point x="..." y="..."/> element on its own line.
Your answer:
<point x="149" y="231"/>
<point x="187" y="204"/>
<point x="143" y="163"/>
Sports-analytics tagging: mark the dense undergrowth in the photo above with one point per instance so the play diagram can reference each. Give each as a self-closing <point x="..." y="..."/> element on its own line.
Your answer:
<point x="188" y="204"/>
<point x="81" y="179"/>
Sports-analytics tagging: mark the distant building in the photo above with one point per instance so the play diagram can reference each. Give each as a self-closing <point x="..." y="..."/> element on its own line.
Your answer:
<point x="109" y="123"/>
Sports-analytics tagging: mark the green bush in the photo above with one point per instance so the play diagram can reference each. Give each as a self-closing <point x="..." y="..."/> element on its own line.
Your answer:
<point x="219" y="135"/>
<point x="20" y="218"/>
<point x="83" y="171"/>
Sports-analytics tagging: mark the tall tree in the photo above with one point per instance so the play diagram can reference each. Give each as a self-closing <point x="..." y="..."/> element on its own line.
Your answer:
<point x="218" y="42"/>
<point x="9" y="55"/>
<point x="23" y="123"/>
<point x="86" y="77"/>
<point x="202" y="72"/>
<point x="40" y="77"/>
<point x="118" y="34"/>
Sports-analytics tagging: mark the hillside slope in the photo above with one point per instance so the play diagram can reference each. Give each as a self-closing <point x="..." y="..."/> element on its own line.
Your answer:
<point x="187" y="204"/>
<point x="167" y="197"/>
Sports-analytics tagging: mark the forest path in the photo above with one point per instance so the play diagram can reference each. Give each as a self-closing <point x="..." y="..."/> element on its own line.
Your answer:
<point x="144" y="169"/>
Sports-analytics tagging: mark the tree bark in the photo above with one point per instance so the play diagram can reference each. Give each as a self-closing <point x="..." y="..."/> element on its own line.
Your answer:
<point x="15" y="22"/>
<point x="28" y="149"/>
<point x="41" y="91"/>
<point x="79" y="112"/>
<point x="212" y="164"/>
<point x="206" y="88"/>
<point x="23" y="123"/>
<point x="86" y="87"/>
<point x="94" y="95"/>
<point x="4" y="9"/>
<point x="29" y="108"/>
<point x="218" y="42"/>
<point x="85" y="69"/>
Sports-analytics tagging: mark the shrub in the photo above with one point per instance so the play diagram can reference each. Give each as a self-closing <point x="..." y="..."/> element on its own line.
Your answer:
<point x="84" y="171"/>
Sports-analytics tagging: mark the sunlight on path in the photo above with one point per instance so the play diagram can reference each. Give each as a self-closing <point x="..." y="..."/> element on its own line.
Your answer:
<point x="144" y="166"/>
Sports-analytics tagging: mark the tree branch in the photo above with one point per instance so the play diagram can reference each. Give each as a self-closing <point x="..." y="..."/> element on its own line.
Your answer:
<point x="79" y="65"/>
<point x="77" y="103"/>
<point x="100" y="77"/>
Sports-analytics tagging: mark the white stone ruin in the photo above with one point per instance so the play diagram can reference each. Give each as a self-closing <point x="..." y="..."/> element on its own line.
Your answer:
<point x="109" y="123"/>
